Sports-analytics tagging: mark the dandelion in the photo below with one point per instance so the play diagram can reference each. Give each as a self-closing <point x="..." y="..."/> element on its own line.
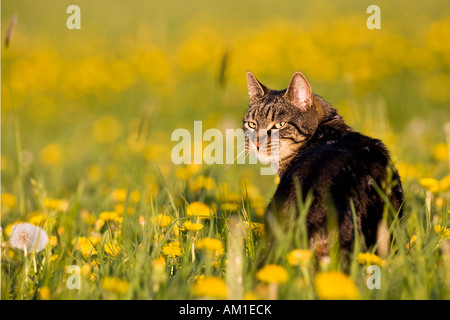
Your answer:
<point x="51" y="155"/>
<point x="187" y="172"/>
<point x="27" y="237"/>
<point x="172" y="250"/>
<point x="85" y="269"/>
<point x="94" y="173"/>
<point x="107" y="129"/>
<point x="189" y="226"/>
<point x="199" y="209"/>
<point x="8" y="201"/>
<point x="55" y="204"/>
<point x="161" y="220"/>
<point x="440" y="151"/>
<point x="44" y="293"/>
<point x="135" y="196"/>
<point x="39" y="219"/>
<point x="411" y="242"/>
<point x="203" y="182"/>
<point x="210" y="244"/>
<point x="86" y="245"/>
<point x="257" y="227"/>
<point x="119" y="195"/>
<point x="109" y="216"/>
<point x="370" y="259"/>
<point x="228" y="206"/>
<point x="115" y="285"/>
<point x="335" y="285"/>
<point x="444" y="232"/>
<point x="210" y="287"/>
<point x="111" y="249"/>
<point x="120" y="209"/>
<point x="299" y="257"/>
<point x="444" y="183"/>
<point x="430" y="184"/>
<point x="53" y="241"/>
<point x="272" y="273"/>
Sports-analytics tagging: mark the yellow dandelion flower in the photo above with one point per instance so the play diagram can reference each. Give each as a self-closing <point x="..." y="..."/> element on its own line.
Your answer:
<point x="189" y="226"/>
<point x="44" y="293"/>
<point x="430" y="184"/>
<point x="257" y="227"/>
<point x="210" y="287"/>
<point x="120" y="209"/>
<point x="99" y="224"/>
<point x="109" y="216"/>
<point x="94" y="173"/>
<point x="201" y="210"/>
<point x="56" y="204"/>
<point x="187" y="172"/>
<point x="444" y="232"/>
<point x="85" y="269"/>
<point x="210" y="244"/>
<point x="141" y="220"/>
<point x="39" y="219"/>
<point x="86" y="245"/>
<point x="370" y="258"/>
<point x="115" y="285"/>
<point x="111" y="249"/>
<point x="119" y="195"/>
<point x="87" y="249"/>
<point x="107" y="129"/>
<point x="272" y="273"/>
<point x="335" y="285"/>
<point x="8" y="201"/>
<point x="299" y="256"/>
<point x="53" y="241"/>
<point x="439" y="202"/>
<point x="440" y="151"/>
<point x="229" y="206"/>
<point x="51" y="155"/>
<point x="411" y="241"/>
<point x="159" y="263"/>
<point x="444" y="183"/>
<point x="202" y="182"/>
<point x="172" y="250"/>
<point x="53" y="257"/>
<point x="259" y="211"/>
<point x="161" y="220"/>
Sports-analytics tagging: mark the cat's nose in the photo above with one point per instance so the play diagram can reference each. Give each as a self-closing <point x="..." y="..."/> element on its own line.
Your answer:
<point x="257" y="144"/>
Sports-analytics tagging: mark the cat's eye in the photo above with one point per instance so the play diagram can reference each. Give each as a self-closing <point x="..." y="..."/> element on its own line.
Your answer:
<point x="251" y="125"/>
<point x="279" y="125"/>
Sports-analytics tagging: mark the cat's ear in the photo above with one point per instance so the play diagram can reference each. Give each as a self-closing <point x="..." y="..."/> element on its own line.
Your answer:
<point x="299" y="91"/>
<point x="255" y="88"/>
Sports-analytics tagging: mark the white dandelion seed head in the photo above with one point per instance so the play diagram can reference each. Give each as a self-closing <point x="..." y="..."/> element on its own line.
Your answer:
<point x="27" y="235"/>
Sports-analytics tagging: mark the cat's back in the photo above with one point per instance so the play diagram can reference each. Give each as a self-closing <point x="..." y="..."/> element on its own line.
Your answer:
<point x="340" y="158"/>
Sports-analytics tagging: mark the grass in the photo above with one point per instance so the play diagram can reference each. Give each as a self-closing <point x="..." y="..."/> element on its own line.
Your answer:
<point x="86" y="122"/>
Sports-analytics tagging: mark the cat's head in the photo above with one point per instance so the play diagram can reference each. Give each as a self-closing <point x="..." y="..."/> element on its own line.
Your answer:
<point x="288" y="113"/>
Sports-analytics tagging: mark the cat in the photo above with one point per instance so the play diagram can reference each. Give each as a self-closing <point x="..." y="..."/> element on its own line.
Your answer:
<point x="324" y="156"/>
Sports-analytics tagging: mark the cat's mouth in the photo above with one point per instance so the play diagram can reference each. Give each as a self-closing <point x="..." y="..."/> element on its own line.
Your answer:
<point x="265" y="149"/>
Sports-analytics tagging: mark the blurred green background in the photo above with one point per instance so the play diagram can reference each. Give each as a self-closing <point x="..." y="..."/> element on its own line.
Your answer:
<point x="86" y="114"/>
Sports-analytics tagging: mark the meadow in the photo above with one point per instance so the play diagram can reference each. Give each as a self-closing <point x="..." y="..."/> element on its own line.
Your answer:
<point x="86" y="123"/>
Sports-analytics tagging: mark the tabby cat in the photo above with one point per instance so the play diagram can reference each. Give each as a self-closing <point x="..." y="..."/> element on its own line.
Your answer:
<point x="319" y="153"/>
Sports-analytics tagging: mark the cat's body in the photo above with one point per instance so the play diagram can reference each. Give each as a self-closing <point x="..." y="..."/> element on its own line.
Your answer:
<point x="327" y="158"/>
